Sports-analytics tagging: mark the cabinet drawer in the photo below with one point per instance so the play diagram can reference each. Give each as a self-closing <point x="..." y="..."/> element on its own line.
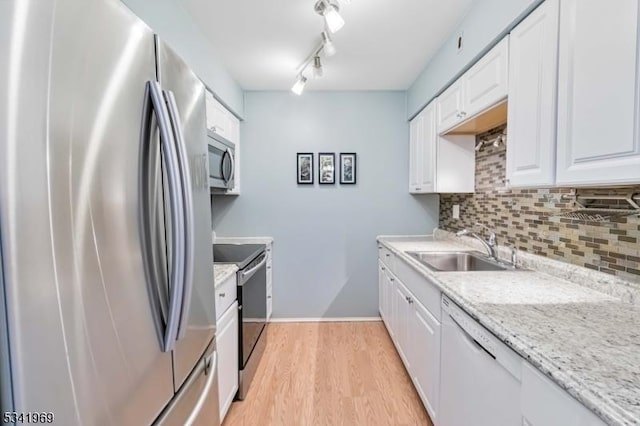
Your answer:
<point x="226" y="294"/>
<point x="427" y="293"/>
<point x="385" y="255"/>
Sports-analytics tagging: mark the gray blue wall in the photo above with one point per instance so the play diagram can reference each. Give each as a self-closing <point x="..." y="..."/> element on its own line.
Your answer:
<point x="325" y="251"/>
<point x="484" y="25"/>
<point x="174" y="25"/>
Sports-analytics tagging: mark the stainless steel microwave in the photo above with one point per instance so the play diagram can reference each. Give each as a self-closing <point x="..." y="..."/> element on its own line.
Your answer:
<point x="221" y="162"/>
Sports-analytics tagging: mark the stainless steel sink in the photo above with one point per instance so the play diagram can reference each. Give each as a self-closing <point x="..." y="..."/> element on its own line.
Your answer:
<point x="457" y="261"/>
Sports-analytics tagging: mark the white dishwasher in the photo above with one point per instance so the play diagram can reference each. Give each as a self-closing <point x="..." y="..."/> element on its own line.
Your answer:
<point x="480" y="376"/>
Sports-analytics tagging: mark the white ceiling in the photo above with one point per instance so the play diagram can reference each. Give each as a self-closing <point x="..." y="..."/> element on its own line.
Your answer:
<point x="383" y="45"/>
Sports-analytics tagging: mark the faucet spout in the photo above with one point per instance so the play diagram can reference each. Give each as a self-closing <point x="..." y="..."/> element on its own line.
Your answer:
<point x="489" y="245"/>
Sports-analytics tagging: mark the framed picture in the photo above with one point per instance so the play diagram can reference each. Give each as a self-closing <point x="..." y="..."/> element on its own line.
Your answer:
<point x="347" y="168"/>
<point x="327" y="167"/>
<point x="305" y="168"/>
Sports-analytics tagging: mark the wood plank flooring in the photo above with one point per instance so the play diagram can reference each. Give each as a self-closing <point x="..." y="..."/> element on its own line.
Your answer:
<point x="329" y="374"/>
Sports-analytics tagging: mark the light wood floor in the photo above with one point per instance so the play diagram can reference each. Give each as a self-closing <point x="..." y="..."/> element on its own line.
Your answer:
<point x="324" y="374"/>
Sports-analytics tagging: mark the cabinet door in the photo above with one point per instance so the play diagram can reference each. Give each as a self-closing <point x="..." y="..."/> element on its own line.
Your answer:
<point x="403" y="316"/>
<point x="425" y="357"/>
<point x="598" y="93"/>
<point x="427" y="182"/>
<point x="422" y="151"/>
<point x="533" y="68"/>
<point x="218" y="117"/>
<point x="381" y="289"/>
<point x="450" y="105"/>
<point x="415" y="152"/>
<point x="390" y="309"/>
<point x="545" y="404"/>
<point x="227" y="340"/>
<point x="486" y="83"/>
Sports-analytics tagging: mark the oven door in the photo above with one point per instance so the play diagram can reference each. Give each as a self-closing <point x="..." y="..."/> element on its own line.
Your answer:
<point x="252" y="304"/>
<point x="221" y="162"/>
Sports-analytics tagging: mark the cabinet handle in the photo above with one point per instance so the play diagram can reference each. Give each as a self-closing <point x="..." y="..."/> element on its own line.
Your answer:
<point x="379" y="247"/>
<point x="418" y="189"/>
<point x="392" y="279"/>
<point x="462" y="113"/>
<point x="269" y="297"/>
<point x="388" y="255"/>
<point x="268" y="267"/>
<point x="222" y="294"/>
<point x="384" y="269"/>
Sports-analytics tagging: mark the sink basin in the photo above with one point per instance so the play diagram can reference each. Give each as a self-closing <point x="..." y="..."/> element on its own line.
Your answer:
<point x="456" y="261"/>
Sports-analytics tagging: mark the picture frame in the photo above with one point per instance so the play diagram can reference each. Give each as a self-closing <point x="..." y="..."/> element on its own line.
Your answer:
<point x="305" y="168"/>
<point x="348" y="168"/>
<point x="326" y="168"/>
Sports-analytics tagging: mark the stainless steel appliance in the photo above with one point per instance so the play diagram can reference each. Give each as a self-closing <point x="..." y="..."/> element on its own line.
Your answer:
<point x="221" y="162"/>
<point x="105" y="313"/>
<point x="480" y="376"/>
<point x="251" y="260"/>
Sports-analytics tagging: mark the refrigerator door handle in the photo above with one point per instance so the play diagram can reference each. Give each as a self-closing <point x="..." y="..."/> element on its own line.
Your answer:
<point x="189" y="225"/>
<point x="210" y="371"/>
<point x="176" y="213"/>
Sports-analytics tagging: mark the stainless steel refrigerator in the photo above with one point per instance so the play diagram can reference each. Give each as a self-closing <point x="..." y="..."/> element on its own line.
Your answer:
<point x="106" y="286"/>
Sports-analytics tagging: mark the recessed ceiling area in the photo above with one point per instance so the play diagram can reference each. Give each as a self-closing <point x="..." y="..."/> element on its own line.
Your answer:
<point x="383" y="45"/>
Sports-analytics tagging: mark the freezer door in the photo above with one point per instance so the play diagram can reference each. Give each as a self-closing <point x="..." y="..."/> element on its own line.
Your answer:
<point x="187" y="94"/>
<point x="83" y="341"/>
<point x="196" y="403"/>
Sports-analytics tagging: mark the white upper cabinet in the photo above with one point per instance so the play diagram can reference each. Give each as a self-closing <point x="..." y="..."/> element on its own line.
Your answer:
<point x="483" y="86"/>
<point x="221" y="121"/>
<point x="450" y="104"/>
<point x="533" y="68"/>
<point x="598" y="93"/>
<point x="486" y="83"/>
<point x="439" y="163"/>
<point x="422" y="151"/>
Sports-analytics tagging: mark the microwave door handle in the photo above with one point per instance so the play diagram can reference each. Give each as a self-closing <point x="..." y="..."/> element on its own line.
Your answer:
<point x="189" y="227"/>
<point x="222" y="173"/>
<point x="233" y="165"/>
<point x="176" y="213"/>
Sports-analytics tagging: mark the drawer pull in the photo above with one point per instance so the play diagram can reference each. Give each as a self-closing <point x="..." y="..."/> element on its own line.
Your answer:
<point x="269" y="297"/>
<point x="222" y="294"/>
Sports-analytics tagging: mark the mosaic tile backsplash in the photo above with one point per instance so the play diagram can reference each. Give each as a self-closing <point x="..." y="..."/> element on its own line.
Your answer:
<point x="530" y="219"/>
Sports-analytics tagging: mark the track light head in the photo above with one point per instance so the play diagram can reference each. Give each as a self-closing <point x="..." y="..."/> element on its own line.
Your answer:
<point x="328" y="47"/>
<point x="317" y="67"/>
<point x="332" y="17"/>
<point x="479" y="146"/>
<point x="298" y="87"/>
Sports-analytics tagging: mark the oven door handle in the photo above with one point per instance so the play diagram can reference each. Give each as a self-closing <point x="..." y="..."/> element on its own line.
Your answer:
<point x="244" y="277"/>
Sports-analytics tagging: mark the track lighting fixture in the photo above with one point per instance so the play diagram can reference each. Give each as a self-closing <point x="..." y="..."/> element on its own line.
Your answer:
<point x="332" y="17"/>
<point x="317" y="67"/>
<point x="298" y="87"/>
<point x="479" y="146"/>
<point x="333" y="22"/>
<point x="328" y="47"/>
<point x="497" y="141"/>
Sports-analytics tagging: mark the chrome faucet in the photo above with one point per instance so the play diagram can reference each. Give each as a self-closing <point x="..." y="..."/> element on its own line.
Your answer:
<point x="489" y="244"/>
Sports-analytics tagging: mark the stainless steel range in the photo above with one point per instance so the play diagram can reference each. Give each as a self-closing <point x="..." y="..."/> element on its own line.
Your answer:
<point x="251" y="260"/>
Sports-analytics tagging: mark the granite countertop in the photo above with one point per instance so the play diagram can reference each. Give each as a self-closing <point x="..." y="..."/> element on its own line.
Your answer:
<point x="586" y="341"/>
<point x="222" y="271"/>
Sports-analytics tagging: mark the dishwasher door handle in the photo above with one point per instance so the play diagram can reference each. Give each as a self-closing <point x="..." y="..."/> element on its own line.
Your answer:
<point x="470" y="338"/>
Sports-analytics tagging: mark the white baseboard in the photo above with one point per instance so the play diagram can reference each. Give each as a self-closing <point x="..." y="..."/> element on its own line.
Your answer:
<point x="339" y="319"/>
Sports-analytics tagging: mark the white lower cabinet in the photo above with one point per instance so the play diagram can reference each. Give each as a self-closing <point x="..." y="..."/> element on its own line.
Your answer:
<point x="402" y="321"/>
<point x="425" y="339"/>
<point x="227" y="341"/>
<point x="415" y="331"/>
<point x="463" y="374"/>
<point x="545" y="404"/>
